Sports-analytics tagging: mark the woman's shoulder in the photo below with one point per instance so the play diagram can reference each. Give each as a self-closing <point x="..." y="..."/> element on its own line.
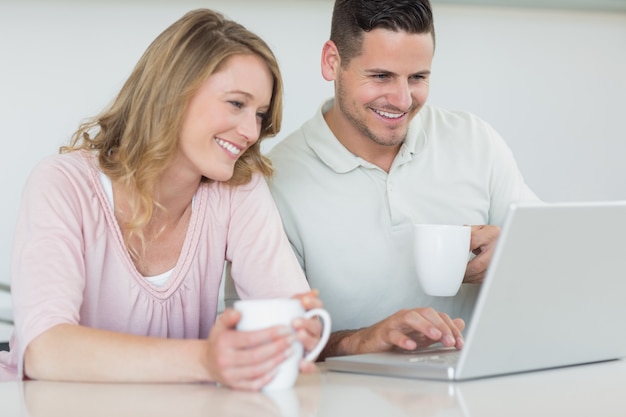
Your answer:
<point x="67" y="162"/>
<point x="71" y="167"/>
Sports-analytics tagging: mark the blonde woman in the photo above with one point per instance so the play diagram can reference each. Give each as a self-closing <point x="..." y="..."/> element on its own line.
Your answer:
<point x="122" y="238"/>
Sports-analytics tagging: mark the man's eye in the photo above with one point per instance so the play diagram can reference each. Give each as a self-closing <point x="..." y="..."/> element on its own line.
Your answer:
<point x="237" y="104"/>
<point x="381" y="76"/>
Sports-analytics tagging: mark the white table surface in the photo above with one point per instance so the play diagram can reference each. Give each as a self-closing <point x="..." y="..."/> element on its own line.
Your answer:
<point x="597" y="390"/>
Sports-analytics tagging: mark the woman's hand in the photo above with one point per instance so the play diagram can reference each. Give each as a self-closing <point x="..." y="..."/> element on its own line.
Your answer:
<point x="245" y="360"/>
<point x="308" y="330"/>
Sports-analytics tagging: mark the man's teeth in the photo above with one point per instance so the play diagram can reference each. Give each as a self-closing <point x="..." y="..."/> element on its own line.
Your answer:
<point x="228" y="146"/>
<point x="389" y="115"/>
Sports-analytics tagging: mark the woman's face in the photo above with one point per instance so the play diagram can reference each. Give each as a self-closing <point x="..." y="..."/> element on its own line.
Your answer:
<point x="224" y="118"/>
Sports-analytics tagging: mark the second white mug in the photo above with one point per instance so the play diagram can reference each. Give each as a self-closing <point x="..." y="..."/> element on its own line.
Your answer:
<point x="441" y="253"/>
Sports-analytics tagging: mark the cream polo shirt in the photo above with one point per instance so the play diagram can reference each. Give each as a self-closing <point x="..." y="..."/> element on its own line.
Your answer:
<point x="349" y="221"/>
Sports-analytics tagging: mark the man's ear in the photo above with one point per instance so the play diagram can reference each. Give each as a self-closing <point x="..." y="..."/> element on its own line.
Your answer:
<point x="330" y="61"/>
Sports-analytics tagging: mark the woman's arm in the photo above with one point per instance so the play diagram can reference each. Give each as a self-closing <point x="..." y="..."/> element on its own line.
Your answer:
<point x="243" y="360"/>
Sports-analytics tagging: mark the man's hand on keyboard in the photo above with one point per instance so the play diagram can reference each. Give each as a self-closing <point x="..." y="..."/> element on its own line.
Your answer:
<point x="408" y="330"/>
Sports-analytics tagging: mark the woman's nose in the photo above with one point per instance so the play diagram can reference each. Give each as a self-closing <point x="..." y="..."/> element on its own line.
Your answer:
<point x="250" y="127"/>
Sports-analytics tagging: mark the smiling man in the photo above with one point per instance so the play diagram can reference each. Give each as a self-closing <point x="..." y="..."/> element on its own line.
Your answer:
<point x="374" y="160"/>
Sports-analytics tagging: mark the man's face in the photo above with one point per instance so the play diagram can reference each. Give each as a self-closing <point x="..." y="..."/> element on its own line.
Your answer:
<point x="383" y="88"/>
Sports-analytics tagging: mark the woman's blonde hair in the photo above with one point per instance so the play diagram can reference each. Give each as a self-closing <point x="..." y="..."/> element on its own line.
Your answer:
<point x="137" y="136"/>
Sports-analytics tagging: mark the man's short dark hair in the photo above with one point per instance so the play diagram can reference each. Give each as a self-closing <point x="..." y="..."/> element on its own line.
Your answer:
<point x="352" y="18"/>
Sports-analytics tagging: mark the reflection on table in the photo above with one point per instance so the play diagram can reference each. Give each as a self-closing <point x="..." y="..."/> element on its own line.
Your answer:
<point x="588" y="390"/>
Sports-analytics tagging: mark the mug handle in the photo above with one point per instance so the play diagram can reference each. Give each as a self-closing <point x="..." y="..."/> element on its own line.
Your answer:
<point x="323" y="314"/>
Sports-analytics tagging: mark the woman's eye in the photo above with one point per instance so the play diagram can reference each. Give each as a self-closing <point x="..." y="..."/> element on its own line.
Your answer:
<point x="237" y="104"/>
<point x="261" y="115"/>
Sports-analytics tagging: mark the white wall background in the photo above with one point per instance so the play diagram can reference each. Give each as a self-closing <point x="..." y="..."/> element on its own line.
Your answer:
<point x="552" y="82"/>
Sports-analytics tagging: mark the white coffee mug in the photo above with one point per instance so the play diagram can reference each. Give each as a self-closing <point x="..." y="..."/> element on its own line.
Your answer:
<point x="441" y="253"/>
<point x="262" y="313"/>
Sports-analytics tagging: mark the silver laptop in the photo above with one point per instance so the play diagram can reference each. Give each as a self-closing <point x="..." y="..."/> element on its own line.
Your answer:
<point x="554" y="296"/>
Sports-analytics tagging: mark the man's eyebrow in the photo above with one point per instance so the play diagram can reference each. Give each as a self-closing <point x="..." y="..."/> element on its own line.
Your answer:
<point x="378" y="71"/>
<point x="384" y="71"/>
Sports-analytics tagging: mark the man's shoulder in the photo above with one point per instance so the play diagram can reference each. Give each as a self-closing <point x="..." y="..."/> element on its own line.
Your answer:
<point x="294" y="141"/>
<point x="295" y="144"/>
<point x="295" y="159"/>
<point x="439" y="122"/>
<point x="437" y="114"/>
<point x="293" y="148"/>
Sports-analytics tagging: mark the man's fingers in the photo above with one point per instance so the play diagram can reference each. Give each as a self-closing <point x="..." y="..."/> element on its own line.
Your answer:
<point x="477" y="269"/>
<point x="483" y="235"/>
<point x="436" y="326"/>
<point x="401" y="340"/>
<point x="456" y="326"/>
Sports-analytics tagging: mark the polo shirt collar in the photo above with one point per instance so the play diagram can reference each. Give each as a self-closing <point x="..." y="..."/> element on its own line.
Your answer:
<point x="416" y="137"/>
<point x="323" y="142"/>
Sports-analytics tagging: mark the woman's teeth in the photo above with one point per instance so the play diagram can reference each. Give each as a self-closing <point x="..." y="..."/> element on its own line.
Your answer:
<point x="228" y="146"/>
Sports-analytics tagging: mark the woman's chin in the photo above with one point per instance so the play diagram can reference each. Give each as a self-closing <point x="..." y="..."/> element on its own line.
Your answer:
<point x="221" y="176"/>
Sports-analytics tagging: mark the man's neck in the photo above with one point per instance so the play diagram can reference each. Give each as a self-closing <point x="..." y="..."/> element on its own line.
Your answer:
<point x="358" y="144"/>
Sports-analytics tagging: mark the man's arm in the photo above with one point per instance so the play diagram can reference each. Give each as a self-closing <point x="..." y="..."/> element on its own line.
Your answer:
<point x="335" y="347"/>
<point x="407" y="329"/>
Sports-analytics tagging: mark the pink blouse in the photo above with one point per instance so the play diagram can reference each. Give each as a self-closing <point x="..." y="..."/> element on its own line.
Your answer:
<point x="70" y="265"/>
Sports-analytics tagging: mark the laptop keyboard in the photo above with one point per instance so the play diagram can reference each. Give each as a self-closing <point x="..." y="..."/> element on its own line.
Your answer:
<point x="445" y="358"/>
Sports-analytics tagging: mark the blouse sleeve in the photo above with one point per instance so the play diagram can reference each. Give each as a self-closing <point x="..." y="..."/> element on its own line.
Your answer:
<point x="47" y="268"/>
<point x="263" y="262"/>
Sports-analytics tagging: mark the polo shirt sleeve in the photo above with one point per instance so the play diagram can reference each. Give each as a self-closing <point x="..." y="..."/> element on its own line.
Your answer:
<point x="507" y="182"/>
